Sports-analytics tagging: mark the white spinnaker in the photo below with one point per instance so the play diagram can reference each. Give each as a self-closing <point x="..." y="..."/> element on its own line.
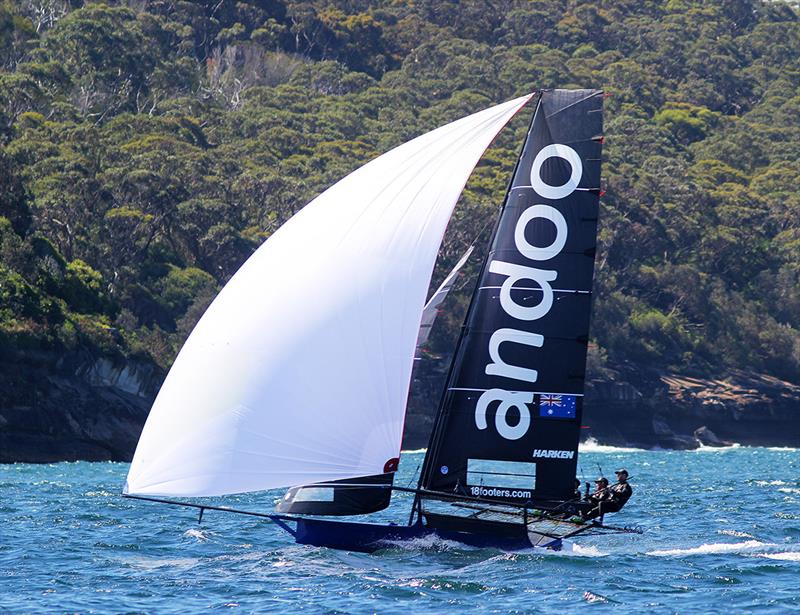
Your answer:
<point x="299" y="370"/>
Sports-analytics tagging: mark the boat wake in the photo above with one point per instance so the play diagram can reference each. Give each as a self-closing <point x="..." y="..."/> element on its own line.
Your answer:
<point x="435" y="543"/>
<point x="748" y="548"/>
<point x="703" y="448"/>
<point x="430" y="542"/>
<point x="582" y="551"/>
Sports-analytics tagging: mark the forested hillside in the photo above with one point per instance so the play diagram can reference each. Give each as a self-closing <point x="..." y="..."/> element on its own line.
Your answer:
<point x="147" y="147"/>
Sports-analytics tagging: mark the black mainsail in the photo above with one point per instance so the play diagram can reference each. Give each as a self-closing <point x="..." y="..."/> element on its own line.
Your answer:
<point x="509" y="420"/>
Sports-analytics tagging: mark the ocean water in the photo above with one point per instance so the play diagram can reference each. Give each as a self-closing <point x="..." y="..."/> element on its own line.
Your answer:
<point x="722" y="534"/>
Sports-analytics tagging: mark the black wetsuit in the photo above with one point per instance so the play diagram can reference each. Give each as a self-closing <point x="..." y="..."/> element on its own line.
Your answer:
<point x="620" y="494"/>
<point x="611" y="499"/>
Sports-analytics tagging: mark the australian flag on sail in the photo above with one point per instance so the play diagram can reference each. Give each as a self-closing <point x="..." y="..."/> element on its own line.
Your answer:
<point x="552" y="406"/>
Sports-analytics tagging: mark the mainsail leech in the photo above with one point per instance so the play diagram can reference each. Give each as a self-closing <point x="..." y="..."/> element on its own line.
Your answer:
<point x="299" y="370"/>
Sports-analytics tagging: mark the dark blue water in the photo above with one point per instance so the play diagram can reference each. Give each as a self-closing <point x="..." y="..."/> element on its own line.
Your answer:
<point x="722" y="535"/>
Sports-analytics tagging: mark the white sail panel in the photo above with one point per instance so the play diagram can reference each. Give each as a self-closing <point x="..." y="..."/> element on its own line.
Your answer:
<point x="299" y="370"/>
<point x="431" y="309"/>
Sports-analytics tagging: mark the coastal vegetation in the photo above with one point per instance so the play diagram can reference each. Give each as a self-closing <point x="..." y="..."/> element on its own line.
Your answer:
<point x="148" y="147"/>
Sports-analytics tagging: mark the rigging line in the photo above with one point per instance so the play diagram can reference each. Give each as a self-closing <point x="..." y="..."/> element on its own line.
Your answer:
<point x="413" y="476"/>
<point x="202" y="507"/>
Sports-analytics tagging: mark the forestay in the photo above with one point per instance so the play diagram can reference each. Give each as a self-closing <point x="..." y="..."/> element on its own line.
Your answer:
<point x="299" y="370"/>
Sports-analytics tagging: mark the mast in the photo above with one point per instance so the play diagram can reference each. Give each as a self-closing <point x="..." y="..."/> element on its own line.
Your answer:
<point x="508" y="423"/>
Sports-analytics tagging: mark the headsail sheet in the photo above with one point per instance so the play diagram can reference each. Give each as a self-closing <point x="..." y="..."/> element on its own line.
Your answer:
<point x="509" y="421"/>
<point x="299" y="370"/>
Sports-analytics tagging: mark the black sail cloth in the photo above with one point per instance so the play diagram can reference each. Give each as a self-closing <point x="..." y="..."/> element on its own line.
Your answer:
<point x="509" y="421"/>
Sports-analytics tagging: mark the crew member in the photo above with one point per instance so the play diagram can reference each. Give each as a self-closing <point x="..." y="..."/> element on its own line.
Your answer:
<point x="577" y="495"/>
<point x="599" y="499"/>
<point x="621" y="492"/>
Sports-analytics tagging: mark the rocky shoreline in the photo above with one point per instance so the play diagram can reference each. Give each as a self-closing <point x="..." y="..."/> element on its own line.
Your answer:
<point x="72" y="407"/>
<point x="680" y="412"/>
<point x="78" y="406"/>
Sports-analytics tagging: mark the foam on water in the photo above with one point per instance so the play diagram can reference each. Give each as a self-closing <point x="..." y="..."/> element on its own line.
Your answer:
<point x="431" y="542"/>
<point x="198" y="534"/>
<point x="789" y="556"/>
<point x="714" y="548"/>
<point x="717" y="449"/>
<point x="579" y="550"/>
<point x="591" y="445"/>
<point x="154" y="563"/>
<point x="736" y="534"/>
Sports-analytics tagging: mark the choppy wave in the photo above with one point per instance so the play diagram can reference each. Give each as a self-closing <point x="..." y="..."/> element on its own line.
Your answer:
<point x="198" y="534"/>
<point x="736" y="534"/>
<point x="592" y="597"/>
<point x="714" y="548"/>
<point x="788" y="556"/>
<point x="585" y="551"/>
<point x="719" y="530"/>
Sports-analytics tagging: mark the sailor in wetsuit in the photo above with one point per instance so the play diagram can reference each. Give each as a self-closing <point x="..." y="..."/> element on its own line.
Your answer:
<point x="598" y="499"/>
<point x="620" y="493"/>
<point x="609" y="499"/>
<point x="577" y="495"/>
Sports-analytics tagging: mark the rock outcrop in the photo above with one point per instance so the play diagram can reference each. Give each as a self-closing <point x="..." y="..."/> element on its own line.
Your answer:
<point x="674" y="411"/>
<point x="71" y="407"/>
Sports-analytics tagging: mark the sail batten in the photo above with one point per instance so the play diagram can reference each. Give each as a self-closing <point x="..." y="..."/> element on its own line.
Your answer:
<point x="299" y="370"/>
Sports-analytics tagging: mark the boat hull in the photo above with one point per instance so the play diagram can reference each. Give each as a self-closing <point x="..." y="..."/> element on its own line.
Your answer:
<point x="371" y="537"/>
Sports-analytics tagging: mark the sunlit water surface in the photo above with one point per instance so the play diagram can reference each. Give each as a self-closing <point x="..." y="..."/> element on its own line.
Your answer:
<point x="722" y="535"/>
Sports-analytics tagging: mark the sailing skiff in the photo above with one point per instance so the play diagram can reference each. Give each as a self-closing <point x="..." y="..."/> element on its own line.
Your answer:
<point x="298" y="373"/>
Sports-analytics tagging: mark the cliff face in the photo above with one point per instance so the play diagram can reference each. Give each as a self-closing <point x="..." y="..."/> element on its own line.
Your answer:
<point x="672" y="411"/>
<point x="84" y="407"/>
<point x="73" y="407"/>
